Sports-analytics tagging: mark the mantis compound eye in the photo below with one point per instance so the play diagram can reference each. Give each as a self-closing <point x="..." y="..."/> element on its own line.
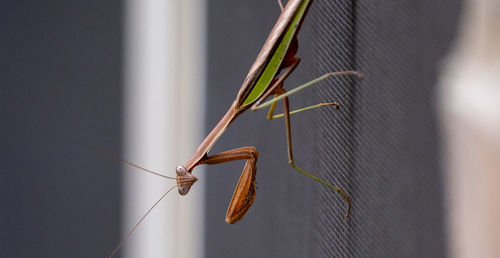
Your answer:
<point x="180" y="170"/>
<point x="183" y="190"/>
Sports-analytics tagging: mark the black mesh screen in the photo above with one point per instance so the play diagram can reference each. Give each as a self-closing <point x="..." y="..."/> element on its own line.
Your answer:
<point x="382" y="146"/>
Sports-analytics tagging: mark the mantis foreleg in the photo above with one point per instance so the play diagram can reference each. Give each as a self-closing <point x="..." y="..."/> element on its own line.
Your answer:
<point x="244" y="194"/>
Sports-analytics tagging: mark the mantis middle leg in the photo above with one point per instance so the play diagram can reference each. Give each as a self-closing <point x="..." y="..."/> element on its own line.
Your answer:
<point x="291" y="161"/>
<point x="278" y="90"/>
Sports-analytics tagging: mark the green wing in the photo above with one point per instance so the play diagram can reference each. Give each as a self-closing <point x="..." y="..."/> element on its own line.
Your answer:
<point x="272" y="54"/>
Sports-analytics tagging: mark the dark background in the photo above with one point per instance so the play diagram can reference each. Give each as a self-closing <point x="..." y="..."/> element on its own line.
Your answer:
<point x="61" y="90"/>
<point x="60" y="98"/>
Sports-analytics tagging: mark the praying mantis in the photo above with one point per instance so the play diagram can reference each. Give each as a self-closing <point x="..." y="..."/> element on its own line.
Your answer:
<point x="275" y="62"/>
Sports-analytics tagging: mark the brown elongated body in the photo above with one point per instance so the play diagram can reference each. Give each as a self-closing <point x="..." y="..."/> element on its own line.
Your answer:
<point x="263" y="80"/>
<point x="244" y="193"/>
<point x="253" y="74"/>
<point x="278" y="53"/>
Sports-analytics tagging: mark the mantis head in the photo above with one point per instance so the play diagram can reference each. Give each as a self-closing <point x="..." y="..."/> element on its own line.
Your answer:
<point x="184" y="180"/>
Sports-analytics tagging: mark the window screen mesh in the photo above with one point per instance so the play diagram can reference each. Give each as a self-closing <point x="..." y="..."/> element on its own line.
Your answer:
<point x="381" y="146"/>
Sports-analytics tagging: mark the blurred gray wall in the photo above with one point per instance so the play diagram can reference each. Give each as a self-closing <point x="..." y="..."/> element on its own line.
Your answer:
<point x="60" y="106"/>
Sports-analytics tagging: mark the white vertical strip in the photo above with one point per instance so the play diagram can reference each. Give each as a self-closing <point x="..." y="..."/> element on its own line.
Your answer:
<point x="192" y="78"/>
<point x="149" y="112"/>
<point x="470" y="111"/>
<point x="163" y="123"/>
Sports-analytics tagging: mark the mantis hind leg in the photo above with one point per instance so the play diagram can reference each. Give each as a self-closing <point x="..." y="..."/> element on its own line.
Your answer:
<point x="259" y="105"/>
<point x="244" y="194"/>
<point x="291" y="162"/>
